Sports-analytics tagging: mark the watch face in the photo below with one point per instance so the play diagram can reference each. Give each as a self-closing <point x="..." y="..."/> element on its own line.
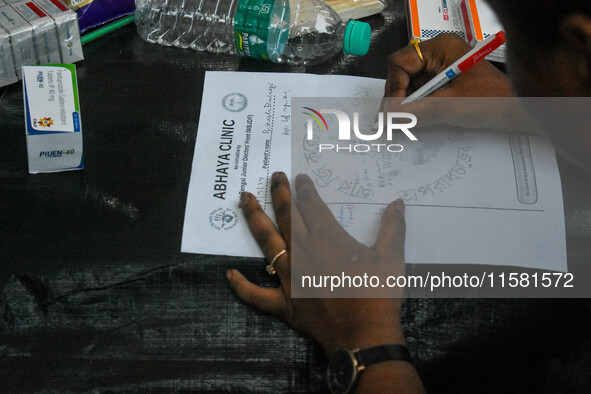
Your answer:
<point x="341" y="372"/>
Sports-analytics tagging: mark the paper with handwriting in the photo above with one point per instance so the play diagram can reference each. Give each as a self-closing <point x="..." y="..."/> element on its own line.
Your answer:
<point x="472" y="197"/>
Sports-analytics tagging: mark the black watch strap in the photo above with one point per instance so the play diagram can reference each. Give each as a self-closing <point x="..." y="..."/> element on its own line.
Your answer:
<point x="378" y="354"/>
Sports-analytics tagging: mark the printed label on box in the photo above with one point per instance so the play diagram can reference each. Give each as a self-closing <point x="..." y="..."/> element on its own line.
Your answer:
<point x="52" y="116"/>
<point x="429" y="18"/>
<point x="52" y="7"/>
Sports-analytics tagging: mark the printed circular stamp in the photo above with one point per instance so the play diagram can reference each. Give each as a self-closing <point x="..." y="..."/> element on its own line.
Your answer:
<point x="223" y="219"/>
<point x="234" y="102"/>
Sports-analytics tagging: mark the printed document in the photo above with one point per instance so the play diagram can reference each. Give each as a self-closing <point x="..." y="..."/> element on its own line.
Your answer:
<point x="471" y="197"/>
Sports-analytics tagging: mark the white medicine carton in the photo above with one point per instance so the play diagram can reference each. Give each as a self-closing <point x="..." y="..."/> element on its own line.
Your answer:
<point x="68" y="31"/>
<point x="44" y="31"/>
<point x="7" y="69"/>
<point x="52" y="118"/>
<point x="21" y="36"/>
<point x="429" y="18"/>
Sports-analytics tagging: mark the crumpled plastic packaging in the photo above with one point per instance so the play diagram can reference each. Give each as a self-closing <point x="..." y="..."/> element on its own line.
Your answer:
<point x="93" y="13"/>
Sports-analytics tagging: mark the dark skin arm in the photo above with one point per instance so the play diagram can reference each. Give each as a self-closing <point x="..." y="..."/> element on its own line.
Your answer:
<point x="359" y="323"/>
<point x="334" y="323"/>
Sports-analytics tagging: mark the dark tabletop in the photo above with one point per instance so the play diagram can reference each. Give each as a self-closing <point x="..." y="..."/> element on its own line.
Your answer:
<point x="96" y="296"/>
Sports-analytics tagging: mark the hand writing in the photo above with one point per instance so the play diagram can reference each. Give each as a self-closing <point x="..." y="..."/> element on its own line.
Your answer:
<point x="406" y="73"/>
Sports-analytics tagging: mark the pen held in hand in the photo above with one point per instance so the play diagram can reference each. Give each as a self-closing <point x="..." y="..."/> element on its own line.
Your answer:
<point x="463" y="64"/>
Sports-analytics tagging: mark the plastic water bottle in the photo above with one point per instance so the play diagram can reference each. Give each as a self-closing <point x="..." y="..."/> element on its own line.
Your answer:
<point x="308" y="33"/>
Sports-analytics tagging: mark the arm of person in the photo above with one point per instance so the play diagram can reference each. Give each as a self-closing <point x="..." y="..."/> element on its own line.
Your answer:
<point x="497" y="110"/>
<point x="309" y="227"/>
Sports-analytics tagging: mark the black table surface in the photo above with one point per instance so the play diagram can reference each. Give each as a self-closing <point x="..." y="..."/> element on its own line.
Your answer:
<point x="96" y="296"/>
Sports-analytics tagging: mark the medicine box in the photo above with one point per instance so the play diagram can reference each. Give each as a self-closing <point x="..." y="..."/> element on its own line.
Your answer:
<point x="480" y="22"/>
<point x="7" y="68"/>
<point x="429" y="18"/>
<point x="21" y="37"/>
<point x="44" y="31"/>
<point x="36" y="32"/>
<point x="52" y="118"/>
<point x="66" y="21"/>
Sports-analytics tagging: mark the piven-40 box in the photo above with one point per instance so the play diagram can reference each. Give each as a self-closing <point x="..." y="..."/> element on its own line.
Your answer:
<point x="52" y="118"/>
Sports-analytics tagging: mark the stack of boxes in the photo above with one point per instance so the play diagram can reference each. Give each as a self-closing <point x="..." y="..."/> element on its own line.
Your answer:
<point x="34" y="32"/>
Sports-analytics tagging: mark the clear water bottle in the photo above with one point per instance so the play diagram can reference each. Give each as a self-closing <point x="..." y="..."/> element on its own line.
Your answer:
<point x="308" y="33"/>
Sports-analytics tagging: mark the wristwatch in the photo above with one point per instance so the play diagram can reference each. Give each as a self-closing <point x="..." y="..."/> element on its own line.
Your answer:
<point x="344" y="365"/>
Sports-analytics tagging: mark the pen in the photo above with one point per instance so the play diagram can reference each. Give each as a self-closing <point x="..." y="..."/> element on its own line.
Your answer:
<point x="463" y="64"/>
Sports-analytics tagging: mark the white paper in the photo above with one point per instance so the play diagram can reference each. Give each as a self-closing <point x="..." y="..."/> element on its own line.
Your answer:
<point x="462" y="196"/>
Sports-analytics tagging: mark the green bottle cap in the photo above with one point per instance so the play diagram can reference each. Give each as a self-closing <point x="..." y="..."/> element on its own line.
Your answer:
<point x="357" y="38"/>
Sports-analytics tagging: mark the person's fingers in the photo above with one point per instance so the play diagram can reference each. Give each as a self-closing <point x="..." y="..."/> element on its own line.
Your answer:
<point x="442" y="51"/>
<point x="314" y="211"/>
<point x="266" y="299"/>
<point x="263" y="230"/>
<point x="402" y="66"/>
<point x="406" y="72"/>
<point x="288" y="216"/>
<point x="392" y="232"/>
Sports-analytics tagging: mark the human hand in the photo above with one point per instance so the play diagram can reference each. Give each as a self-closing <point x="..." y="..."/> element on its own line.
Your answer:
<point x="310" y="230"/>
<point x="407" y="73"/>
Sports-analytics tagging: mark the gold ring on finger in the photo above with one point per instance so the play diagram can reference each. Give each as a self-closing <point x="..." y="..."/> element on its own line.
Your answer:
<point x="271" y="267"/>
<point x="415" y="43"/>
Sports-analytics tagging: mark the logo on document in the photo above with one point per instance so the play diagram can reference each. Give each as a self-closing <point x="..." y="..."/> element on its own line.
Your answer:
<point x="234" y="102"/>
<point x="223" y="219"/>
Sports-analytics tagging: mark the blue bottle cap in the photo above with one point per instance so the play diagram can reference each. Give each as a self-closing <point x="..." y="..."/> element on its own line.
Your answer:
<point x="357" y="38"/>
